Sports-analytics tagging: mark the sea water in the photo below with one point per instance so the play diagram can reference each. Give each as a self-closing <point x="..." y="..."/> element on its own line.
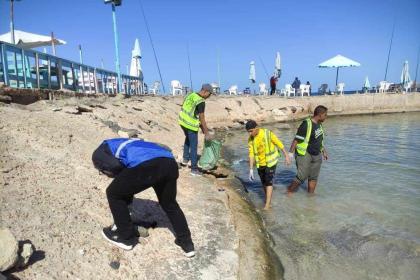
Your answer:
<point x="364" y="220"/>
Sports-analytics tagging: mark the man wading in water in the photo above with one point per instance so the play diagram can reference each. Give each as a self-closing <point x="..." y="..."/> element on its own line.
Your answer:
<point x="309" y="149"/>
<point x="263" y="148"/>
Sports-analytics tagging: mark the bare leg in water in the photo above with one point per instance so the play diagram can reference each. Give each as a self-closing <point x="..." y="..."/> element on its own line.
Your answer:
<point x="268" y="190"/>
<point x="292" y="187"/>
<point x="311" y="186"/>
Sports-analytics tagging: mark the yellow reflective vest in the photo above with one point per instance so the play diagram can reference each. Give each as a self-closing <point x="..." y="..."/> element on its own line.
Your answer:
<point x="187" y="118"/>
<point x="303" y="146"/>
<point x="269" y="156"/>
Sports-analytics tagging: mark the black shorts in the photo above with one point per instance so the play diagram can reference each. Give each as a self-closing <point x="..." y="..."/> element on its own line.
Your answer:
<point x="266" y="175"/>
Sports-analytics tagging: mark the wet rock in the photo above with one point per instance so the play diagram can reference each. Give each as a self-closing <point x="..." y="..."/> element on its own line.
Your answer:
<point x="8" y="249"/>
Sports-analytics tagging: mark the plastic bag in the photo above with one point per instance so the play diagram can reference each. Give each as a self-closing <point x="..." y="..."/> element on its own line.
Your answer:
<point x="210" y="155"/>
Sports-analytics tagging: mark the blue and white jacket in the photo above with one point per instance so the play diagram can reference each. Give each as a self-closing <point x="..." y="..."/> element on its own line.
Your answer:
<point x="132" y="152"/>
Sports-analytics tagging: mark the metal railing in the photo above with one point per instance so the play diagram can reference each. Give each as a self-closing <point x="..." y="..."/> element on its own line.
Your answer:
<point x="27" y="68"/>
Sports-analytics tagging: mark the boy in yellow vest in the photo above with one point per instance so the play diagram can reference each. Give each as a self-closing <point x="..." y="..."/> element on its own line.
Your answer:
<point x="309" y="150"/>
<point x="263" y="147"/>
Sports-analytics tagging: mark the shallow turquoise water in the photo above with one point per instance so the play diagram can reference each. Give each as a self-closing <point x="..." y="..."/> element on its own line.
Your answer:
<point x="364" y="221"/>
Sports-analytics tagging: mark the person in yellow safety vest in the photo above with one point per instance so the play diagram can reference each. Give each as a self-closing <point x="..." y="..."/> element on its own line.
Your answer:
<point x="191" y="119"/>
<point x="263" y="147"/>
<point x="308" y="149"/>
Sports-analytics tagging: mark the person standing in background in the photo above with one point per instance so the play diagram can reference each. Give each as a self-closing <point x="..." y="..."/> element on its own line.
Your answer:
<point x="273" y="84"/>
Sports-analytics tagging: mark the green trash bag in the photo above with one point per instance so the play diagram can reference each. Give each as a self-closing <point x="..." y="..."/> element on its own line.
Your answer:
<point x="210" y="154"/>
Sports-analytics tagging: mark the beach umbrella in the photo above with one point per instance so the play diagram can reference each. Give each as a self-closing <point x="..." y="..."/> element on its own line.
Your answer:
<point x="367" y="83"/>
<point x="338" y="62"/>
<point x="405" y="76"/>
<point x="28" y="40"/>
<point x="135" y="66"/>
<point x="252" y="75"/>
<point x="277" y="68"/>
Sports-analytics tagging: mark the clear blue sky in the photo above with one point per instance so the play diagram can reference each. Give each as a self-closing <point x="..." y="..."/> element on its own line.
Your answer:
<point x="305" y="33"/>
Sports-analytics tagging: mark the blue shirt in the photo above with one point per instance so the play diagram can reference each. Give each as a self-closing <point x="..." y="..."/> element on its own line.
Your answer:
<point x="132" y="152"/>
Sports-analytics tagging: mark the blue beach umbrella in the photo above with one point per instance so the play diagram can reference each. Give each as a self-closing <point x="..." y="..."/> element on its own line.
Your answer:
<point x="338" y="62"/>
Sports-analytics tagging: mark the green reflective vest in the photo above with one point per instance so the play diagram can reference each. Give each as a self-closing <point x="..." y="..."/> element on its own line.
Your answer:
<point x="271" y="152"/>
<point x="187" y="118"/>
<point x="303" y="146"/>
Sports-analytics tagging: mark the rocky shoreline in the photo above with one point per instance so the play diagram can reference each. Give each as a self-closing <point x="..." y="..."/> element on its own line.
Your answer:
<point x="51" y="194"/>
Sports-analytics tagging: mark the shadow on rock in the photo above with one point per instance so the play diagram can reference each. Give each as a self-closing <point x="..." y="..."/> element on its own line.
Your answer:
<point x="149" y="214"/>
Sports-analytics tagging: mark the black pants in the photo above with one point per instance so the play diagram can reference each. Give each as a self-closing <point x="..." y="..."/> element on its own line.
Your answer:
<point x="162" y="175"/>
<point x="273" y="90"/>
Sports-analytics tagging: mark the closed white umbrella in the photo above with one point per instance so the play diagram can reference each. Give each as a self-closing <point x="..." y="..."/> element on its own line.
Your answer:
<point x="338" y="62"/>
<point x="405" y="76"/>
<point x="31" y="40"/>
<point x="366" y="85"/>
<point x="135" y="67"/>
<point x="252" y="75"/>
<point x="277" y="68"/>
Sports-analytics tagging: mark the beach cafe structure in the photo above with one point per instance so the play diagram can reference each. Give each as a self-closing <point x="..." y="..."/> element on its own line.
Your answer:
<point x="22" y="67"/>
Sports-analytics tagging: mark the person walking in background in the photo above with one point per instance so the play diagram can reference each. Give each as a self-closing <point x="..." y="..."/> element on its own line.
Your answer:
<point x="263" y="147"/>
<point x="135" y="166"/>
<point x="296" y="85"/>
<point x="191" y="118"/>
<point x="273" y="84"/>
<point x="308" y="148"/>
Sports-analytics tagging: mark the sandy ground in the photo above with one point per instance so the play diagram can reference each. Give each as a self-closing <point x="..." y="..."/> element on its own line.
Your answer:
<point x="51" y="194"/>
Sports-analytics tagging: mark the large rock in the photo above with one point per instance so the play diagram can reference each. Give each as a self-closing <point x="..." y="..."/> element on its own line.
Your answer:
<point x="8" y="249"/>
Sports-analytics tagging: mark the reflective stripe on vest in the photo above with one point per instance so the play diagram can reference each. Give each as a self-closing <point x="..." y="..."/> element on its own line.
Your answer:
<point x="122" y="145"/>
<point x="271" y="154"/>
<point x="187" y="118"/>
<point x="303" y="146"/>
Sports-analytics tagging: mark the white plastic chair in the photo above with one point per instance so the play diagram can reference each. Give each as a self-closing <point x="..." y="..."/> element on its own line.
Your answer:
<point x="233" y="90"/>
<point x="303" y="89"/>
<point x="340" y="88"/>
<point x="216" y="88"/>
<point x="176" y="87"/>
<point x="288" y="90"/>
<point x="263" y="89"/>
<point x="383" y="86"/>
<point x="155" y="88"/>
